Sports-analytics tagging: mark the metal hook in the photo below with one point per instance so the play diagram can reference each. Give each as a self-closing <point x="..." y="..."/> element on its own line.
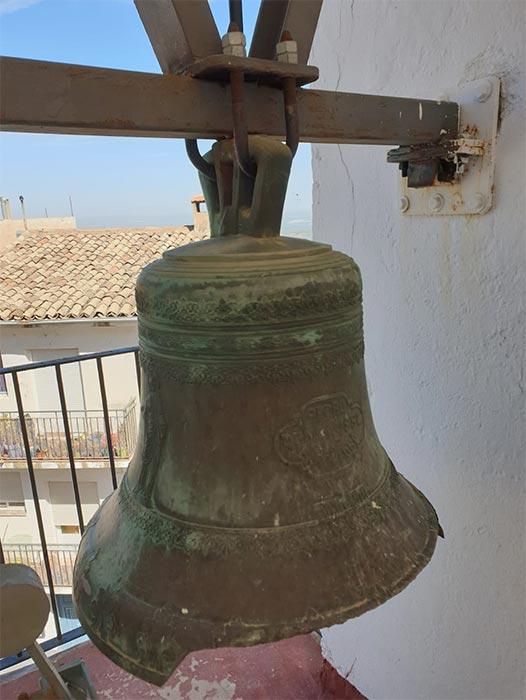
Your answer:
<point x="240" y="135"/>
<point x="292" y="123"/>
<point x="197" y="160"/>
<point x="287" y="50"/>
<point x="237" y="91"/>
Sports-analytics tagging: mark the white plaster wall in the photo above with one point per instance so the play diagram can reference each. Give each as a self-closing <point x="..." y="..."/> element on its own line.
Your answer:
<point x="119" y="372"/>
<point x="23" y="529"/>
<point x="444" y="339"/>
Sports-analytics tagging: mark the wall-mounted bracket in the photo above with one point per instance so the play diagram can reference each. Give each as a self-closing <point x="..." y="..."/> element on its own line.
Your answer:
<point x="454" y="176"/>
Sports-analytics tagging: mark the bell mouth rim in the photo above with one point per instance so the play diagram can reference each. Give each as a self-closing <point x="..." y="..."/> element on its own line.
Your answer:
<point x="146" y="673"/>
<point x="209" y="632"/>
<point x="291" y="629"/>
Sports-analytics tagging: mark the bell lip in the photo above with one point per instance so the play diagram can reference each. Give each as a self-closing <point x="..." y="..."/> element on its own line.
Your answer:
<point x="145" y="673"/>
<point x="268" y="633"/>
<point x="338" y="617"/>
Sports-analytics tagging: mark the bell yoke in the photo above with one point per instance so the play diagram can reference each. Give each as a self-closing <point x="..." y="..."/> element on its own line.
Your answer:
<point x="259" y="503"/>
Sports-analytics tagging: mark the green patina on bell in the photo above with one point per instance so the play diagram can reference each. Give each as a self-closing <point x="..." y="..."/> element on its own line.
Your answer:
<point x="259" y="503"/>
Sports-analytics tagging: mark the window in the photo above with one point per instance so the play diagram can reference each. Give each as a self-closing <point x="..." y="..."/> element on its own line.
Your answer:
<point x="70" y="529"/>
<point x="11" y="494"/>
<point x="3" y="384"/>
<point x="66" y="612"/>
<point x="12" y="507"/>
<point x="63" y="506"/>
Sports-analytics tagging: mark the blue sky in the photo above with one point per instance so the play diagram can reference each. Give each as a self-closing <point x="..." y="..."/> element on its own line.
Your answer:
<point x="112" y="181"/>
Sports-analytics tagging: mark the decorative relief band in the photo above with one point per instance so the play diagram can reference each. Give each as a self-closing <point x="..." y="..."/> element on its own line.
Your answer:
<point x="214" y="372"/>
<point x="239" y="344"/>
<point x="207" y="539"/>
<point x="167" y="302"/>
<point x="322" y="533"/>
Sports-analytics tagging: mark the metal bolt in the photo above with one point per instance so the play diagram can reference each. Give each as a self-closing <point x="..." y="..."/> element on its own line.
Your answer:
<point x="234" y="42"/>
<point x="404" y="203"/>
<point x="287" y="49"/>
<point x="478" y="202"/>
<point x="436" y="202"/>
<point x="484" y="91"/>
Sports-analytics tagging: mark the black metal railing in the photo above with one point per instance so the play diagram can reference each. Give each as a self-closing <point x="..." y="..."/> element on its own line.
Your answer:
<point x="54" y="562"/>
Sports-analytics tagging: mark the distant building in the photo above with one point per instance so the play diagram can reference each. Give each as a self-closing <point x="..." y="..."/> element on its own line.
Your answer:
<point x="12" y="229"/>
<point x="71" y="292"/>
<point x="68" y="293"/>
<point x="200" y="215"/>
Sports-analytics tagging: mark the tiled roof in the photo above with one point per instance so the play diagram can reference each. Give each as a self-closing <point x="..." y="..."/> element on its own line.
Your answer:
<point x="79" y="273"/>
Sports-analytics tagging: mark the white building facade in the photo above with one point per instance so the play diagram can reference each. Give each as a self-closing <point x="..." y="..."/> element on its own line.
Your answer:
<point x="444" y="348"/>
<point x="68" y="294"/>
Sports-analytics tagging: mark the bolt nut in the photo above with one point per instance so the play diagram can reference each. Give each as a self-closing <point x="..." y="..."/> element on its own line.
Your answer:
<point x="485" y="90"/>
<point x="287" y="51"/>
<point x="234" y="44"/>
<point x="404" y="203"/>
<point x="478" y="203"/>
<point x="436" y="202"/>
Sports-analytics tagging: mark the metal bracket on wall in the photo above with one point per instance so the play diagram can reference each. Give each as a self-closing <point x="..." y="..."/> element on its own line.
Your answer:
<point x="455" y="176"/>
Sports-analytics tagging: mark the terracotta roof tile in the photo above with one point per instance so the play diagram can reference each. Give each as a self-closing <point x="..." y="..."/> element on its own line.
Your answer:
<point x="79" y="273"/>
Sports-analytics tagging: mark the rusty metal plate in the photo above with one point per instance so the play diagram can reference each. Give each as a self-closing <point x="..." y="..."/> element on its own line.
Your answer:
<point x="265" y="71"/>
<point x="471" y="192"/>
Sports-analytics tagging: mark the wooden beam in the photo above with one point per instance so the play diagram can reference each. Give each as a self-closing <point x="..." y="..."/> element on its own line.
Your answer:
<point x="42" y="97"/>
<point x="300" y="17"/>
<point x="180" y="31"/>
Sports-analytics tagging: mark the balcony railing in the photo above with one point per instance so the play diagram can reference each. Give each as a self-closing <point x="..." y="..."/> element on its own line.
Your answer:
<point x="72" y="436"/>
<point x="47" y="437"/>
<point x="61" y="559"/>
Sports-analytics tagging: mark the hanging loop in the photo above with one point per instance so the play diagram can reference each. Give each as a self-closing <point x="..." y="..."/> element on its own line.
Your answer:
<point x="240" y="130"/>
<point x="238" y="204"/>
<point x="197" y="160"/>
<point x="239" y="121"/>
<point x="292" y="122"/>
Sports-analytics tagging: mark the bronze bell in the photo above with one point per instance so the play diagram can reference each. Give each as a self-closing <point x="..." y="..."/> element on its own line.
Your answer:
<point x="259" y="503"/>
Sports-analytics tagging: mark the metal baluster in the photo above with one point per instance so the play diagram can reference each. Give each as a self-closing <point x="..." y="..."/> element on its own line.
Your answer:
<point x="48" y="436"/>
<point x="87" y="427"/>
<point x="51" y="437"/>
<point x="69" y="446"/>
<point x="36" y="502"/>
<point x="70" y="568"/>
<point x="60" y="567"/>
<point x="107" y="422"/>
<point x="125" y="439"/>
<point x="60" y="454"/>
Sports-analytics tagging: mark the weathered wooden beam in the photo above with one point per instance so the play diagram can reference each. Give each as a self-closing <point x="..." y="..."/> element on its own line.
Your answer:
<point x="180" y="31"/>
<point x="42" y="97"/>
<point x="299" y="17"/>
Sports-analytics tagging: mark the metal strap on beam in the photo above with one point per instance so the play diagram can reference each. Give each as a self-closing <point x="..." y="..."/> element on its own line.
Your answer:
<point x="71" y="99"/>
<point x="180" y="31"/>
<point x="299" y="17"/>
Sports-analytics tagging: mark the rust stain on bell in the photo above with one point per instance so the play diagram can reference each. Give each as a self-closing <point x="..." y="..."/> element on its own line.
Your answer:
<point x="260" y="503"/>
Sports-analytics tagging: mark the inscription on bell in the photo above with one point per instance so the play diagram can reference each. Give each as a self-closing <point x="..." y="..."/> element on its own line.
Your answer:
<point x="324" y="437"/>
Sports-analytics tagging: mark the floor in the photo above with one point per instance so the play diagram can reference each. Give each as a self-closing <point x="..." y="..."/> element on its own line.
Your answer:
<point x="292" y="669"/>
